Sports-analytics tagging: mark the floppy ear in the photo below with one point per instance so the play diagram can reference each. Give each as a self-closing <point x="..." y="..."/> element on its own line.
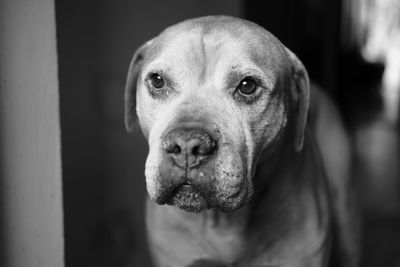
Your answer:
<point x="300" y="98"/>
<point x="131" y="83"/>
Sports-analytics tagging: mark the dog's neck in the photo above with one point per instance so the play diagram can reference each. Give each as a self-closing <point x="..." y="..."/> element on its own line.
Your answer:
<point x="211" y="219"/>
<point x="216" y="219"/>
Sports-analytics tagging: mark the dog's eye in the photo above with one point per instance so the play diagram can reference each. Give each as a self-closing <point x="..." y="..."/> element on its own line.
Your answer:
<point x="247" y="86"/>
<point x="157" y="81"/>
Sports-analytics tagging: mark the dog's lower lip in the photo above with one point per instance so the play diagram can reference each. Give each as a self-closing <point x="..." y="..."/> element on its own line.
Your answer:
<point x="183" y="187"/>
<point x="188" y="198"/>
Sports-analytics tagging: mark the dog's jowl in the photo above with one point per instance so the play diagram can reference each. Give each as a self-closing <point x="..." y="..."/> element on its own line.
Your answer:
<point x="239" y="171"/>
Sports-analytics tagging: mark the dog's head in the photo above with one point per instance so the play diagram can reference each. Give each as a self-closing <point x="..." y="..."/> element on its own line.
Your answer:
<point x="211" y="95"/>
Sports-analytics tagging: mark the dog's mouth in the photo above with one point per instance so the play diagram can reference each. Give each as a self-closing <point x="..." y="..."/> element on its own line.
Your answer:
<point x="219" y="183"/>
<point x="188" y="198"/>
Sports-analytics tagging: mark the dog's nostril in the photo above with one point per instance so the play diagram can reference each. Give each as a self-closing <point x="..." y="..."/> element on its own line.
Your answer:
<point x="198" y="151"/>
<point x="173" y="148"/>
<point x="204" y="148"/>
<point x="195" y="150"/>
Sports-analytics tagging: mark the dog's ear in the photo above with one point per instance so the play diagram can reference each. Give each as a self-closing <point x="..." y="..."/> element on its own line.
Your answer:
<point x="300" y="98"/>
<point x="131" y="83"/>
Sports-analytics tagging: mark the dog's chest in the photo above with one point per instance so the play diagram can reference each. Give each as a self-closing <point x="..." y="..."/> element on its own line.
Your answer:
<point x="184" y="239"/>
<point x="225" y="242"/>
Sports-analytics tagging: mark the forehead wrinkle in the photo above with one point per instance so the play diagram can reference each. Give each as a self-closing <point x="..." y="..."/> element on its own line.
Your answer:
<point x="193" y="51"/>
<point x="219" y="47"/>
<point x="200" y="56"/>
<point x="238" y="62"/>
<point x="197" y="60"/>
<point x="177" y="56"/>
<point x="198" y="50"/>
<point x="246" y="68"/>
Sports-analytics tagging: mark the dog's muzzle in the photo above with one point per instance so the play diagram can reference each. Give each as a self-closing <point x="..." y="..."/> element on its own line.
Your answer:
<point x="198" y="167"/>
<point x="188" y="168"/>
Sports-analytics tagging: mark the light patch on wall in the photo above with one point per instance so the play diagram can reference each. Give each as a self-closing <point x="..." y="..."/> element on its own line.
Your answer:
<point x="375" y="28"/>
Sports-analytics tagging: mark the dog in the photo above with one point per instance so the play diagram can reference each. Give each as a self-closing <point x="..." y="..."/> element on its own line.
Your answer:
<point x="247" y="165"/>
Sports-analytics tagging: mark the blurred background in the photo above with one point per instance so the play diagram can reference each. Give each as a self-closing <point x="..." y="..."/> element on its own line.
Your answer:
<point x="350" y="48"/>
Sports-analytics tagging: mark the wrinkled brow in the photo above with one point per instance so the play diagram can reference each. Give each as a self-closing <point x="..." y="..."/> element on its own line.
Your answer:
<point x="166" y="71"/>
<point x="238" y="72"/>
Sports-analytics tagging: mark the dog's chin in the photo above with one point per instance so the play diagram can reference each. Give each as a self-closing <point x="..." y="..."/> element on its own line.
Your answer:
<point x="188" y="198"/>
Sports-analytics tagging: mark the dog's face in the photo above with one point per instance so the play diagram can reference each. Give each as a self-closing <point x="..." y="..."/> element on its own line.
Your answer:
<point x="211" y="95"/>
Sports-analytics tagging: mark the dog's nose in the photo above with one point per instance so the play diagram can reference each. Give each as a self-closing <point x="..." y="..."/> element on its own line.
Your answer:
<point x="189" y="147"/>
